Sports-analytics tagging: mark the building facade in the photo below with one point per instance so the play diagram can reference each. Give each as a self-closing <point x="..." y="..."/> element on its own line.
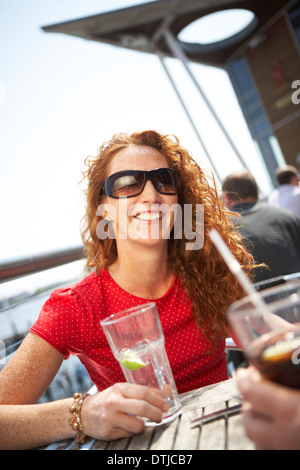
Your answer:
<point x="266" y="79"/>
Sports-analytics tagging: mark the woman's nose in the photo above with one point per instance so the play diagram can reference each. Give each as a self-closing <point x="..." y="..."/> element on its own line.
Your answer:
<point x="149" y="193"/>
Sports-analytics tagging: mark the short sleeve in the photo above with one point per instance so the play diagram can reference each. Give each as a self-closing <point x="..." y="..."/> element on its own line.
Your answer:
<point x="64" y="322"/>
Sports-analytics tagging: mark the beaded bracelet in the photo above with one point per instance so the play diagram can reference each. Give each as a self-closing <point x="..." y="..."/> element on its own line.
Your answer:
<point x="75" y="421"/>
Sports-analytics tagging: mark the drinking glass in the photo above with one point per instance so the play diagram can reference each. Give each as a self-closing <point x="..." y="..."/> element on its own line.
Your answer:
<point x="271" y="341"/>
<point x="137" y="342"/>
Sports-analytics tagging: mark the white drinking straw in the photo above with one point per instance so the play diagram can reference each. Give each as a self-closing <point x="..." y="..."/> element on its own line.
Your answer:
<point x="237" y="270"/>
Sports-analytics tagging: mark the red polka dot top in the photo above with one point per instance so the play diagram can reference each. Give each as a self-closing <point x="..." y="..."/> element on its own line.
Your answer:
<point x="70" y="322"/>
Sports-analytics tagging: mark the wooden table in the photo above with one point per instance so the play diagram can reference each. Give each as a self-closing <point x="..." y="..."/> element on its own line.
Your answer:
<point x="225" y="433"/>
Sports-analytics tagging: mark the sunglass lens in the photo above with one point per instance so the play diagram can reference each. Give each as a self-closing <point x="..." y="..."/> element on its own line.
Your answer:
<point x="166" y="181"/>
<point x="126" y="185"/>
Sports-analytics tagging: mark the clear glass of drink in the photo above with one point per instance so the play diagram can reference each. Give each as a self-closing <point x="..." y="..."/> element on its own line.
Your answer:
<point x="137" y="341"/>
<point x="272" y="347"/>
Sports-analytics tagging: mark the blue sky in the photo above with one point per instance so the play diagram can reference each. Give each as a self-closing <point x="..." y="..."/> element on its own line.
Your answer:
<point x="61" y="97"/>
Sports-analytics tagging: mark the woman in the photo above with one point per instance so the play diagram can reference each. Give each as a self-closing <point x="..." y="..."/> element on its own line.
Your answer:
<point x="139" y="187"/>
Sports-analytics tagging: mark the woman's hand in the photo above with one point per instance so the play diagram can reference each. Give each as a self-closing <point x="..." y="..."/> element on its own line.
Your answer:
<point x="271" y="412"/>
<point x="118" y="411"/>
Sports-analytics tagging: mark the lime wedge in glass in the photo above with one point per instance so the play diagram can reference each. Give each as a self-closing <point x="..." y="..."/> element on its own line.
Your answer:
<point x="131" y="361"/>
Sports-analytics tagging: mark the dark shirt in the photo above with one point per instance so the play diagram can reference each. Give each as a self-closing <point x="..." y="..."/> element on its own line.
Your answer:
<point x="272" y="235"/>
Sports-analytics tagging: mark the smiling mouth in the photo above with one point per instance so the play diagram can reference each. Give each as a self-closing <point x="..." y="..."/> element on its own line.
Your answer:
<point x="149" y="216"/>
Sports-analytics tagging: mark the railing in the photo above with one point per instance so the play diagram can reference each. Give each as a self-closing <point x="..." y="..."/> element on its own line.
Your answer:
<point x="275" y="281"/>
<point x="15" y="268"/>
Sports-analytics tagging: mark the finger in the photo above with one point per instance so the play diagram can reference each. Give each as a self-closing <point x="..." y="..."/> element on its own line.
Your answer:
<point x="265" y="396"/>
<point x="258" y="429"/>
<point x="141" y="408"/>
<point x="151" y="395"/>
<point x="126" y="425"/>
<point x="126" y="404"/>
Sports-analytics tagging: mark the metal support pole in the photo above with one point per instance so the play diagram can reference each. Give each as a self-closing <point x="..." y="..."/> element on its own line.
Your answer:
<point x="179" y="53"/>
<point x="188" y="115"/>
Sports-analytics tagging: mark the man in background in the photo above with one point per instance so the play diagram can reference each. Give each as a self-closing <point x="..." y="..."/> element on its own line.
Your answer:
<point x="271" y="234"/>
<point x="287" y="195"/>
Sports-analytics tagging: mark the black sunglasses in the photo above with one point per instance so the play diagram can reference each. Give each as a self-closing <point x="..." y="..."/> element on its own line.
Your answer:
<point x="130" y="183"/>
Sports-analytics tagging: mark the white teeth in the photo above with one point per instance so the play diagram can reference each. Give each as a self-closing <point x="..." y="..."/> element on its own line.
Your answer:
<point x="149" y="216"/>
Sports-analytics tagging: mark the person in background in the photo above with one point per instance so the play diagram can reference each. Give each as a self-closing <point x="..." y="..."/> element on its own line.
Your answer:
<point x="271" y="412"/>
<point x="138" y="185"/>
<point x="271" y="234"/>
<point x="287" y="195"/>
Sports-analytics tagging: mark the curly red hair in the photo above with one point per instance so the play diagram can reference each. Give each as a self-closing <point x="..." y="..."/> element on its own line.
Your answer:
<point x="204" y="275"/>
